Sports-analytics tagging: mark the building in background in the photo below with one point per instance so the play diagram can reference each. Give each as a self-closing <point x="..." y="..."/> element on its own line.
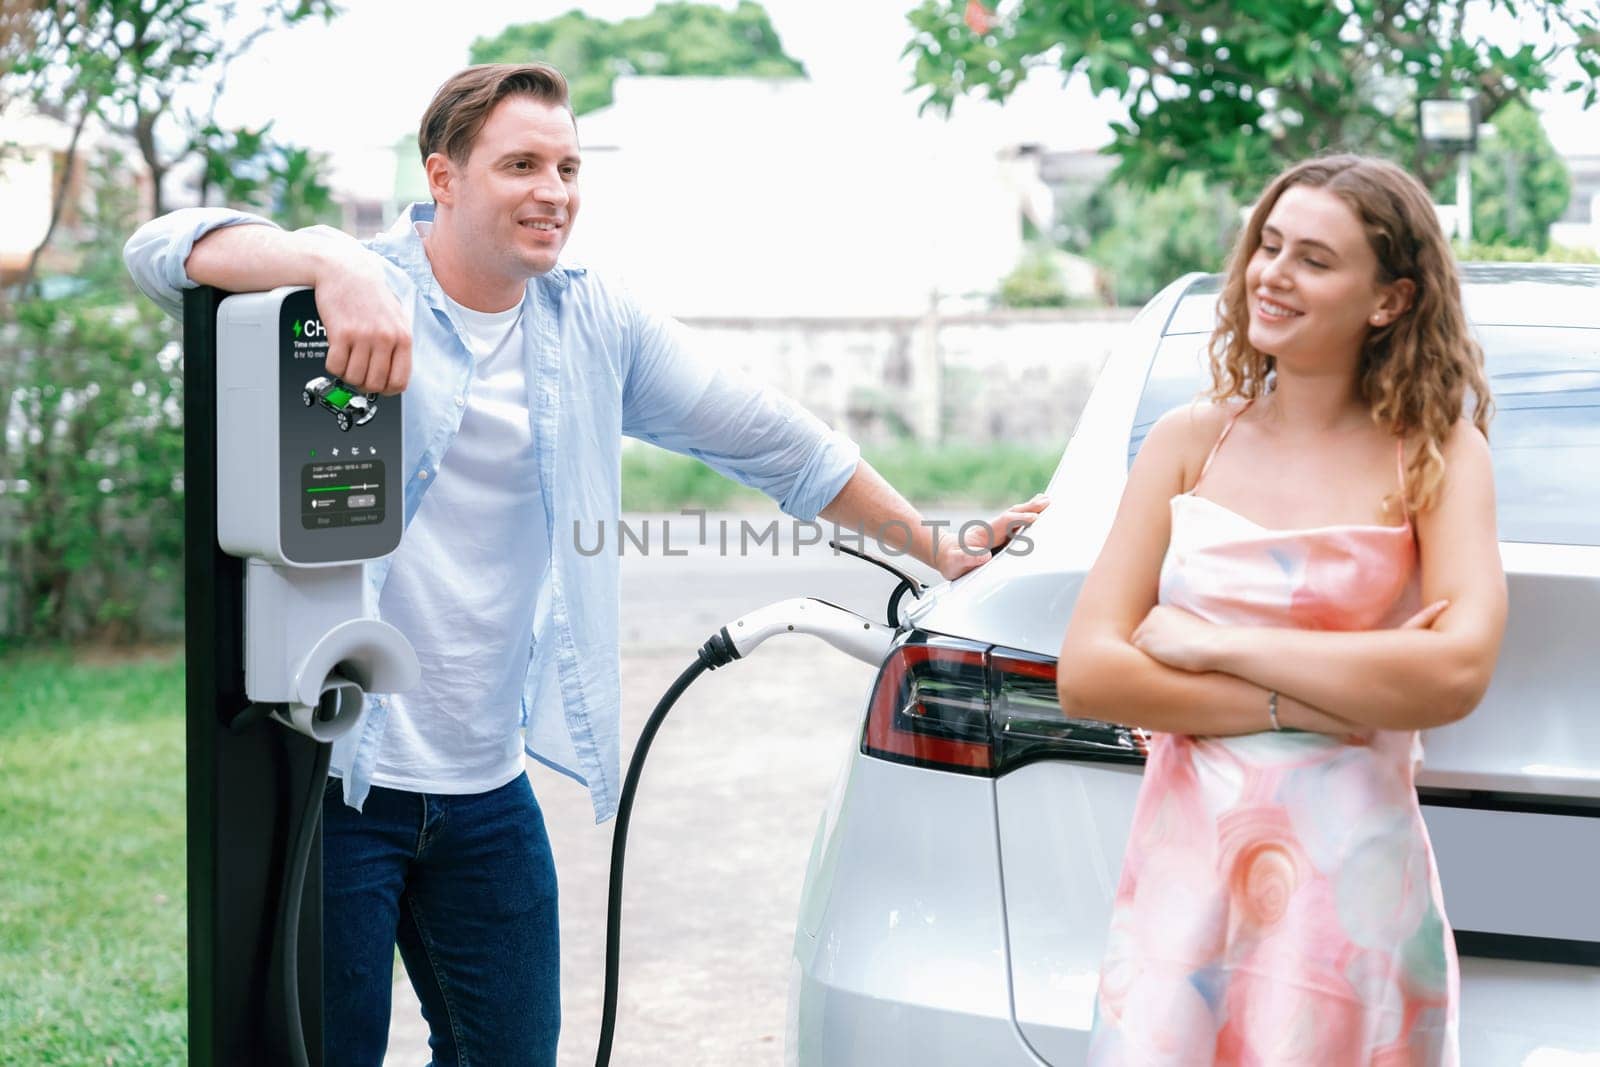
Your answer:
<point x="1073" y="174"/>
<point x="750" y="196"/>
<point x="33" y="163"/>
<point x="27" y="187"/>
<point x="777" y="196"/>
<point x="373" y="184"/>
<point x="1580" y="226"/>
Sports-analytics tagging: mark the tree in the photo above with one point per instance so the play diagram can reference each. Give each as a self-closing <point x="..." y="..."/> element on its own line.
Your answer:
<point x="91" y="517"/>
<point x="1143" y="239"/>
<point x="1519" y="183"/>
<point x="674" y="39"/>
<point x="91" y="376"/>
<point x="1035" y="282"/>
<point x="1241" y="88"/>
<point x="252" y="169"/>
<point x="129" y="64"/>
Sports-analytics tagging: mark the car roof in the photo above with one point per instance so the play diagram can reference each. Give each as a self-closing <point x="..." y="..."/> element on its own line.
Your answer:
<point x="1495" y="294"/>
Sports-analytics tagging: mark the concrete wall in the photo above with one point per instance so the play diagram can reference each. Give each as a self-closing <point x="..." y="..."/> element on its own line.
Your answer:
<point x="1018" y="377"/>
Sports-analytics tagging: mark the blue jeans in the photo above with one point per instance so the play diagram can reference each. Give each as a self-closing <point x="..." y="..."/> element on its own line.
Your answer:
<point x="466" y="885"/>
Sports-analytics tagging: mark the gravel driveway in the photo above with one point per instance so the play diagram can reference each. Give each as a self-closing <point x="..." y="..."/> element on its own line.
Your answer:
<point x="727" y="807"/>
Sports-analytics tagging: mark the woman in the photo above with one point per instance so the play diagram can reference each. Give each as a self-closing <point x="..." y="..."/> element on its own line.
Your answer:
<point x="1257" y="604"/>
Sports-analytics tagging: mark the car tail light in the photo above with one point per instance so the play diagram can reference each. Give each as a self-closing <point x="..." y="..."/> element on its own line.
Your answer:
<point x="981" y="709"/>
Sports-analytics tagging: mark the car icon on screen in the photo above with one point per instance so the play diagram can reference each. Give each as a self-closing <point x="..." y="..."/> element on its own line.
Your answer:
<point x="349" y="407"/>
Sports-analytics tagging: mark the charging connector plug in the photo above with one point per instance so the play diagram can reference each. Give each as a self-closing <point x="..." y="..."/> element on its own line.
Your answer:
<point x="843" y="629"/>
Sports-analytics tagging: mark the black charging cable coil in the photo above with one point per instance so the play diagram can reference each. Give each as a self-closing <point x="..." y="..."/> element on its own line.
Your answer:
<point x="716" y="652"/>
<point x="294" y="884"/>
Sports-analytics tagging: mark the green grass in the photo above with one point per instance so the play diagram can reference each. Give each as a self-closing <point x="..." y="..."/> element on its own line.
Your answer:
<point x="656" y="480"/>
<point x="1504" y="253"/>
<point x="973" y="475"/>
<point x="92" y="903"/>
<point x="950" y="475"/>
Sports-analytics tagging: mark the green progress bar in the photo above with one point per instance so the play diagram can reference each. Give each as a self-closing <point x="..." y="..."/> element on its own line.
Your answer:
<point x="329" y="489"/>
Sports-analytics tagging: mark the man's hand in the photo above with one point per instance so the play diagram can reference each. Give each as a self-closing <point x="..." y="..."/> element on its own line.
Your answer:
<point x="369" y="342"/>
<point x="979" y="541"/>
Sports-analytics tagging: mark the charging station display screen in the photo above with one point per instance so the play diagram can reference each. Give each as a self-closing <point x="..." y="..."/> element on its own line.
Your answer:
<point x="338" y="447"/>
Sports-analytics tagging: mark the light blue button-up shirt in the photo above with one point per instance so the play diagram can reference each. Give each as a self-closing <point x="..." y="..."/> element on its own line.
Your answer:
<point x="597" y="367"/>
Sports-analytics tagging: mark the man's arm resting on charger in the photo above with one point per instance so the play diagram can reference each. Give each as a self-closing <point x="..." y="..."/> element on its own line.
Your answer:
<point x="254" y="258"/>
<point x="368" y="333"/>
<point x="369" y="341"/>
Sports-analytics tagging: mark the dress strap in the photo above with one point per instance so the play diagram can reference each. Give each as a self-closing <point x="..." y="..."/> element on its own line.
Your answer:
<point x="1226" y="429"/>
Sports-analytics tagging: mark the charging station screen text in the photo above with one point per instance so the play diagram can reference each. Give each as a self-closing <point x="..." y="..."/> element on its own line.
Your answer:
<point x="341" y="494"/>
<point x="337" y="445"/>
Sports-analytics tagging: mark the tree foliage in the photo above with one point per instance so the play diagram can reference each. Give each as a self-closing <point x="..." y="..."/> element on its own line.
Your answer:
<point x="1035" y="282"/>
<point x="252" y="169"/>
<point x="1142" y="239"/>
<point x="1550" y="253"/>
<point x="91" y="527"/>
<point x="135" y="66"/>
<point x="673" y="39"/>
<point x="1239" y="89"/>
<point x="91" y="459"/>
<point x="1520" y="184"/>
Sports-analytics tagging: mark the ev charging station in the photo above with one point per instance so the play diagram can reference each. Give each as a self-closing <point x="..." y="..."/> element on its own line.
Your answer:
<point x="288" y="480"/>
<point x="292" y="482"/>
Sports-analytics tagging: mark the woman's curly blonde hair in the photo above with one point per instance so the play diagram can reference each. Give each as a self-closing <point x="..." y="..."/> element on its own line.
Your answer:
<point x="1415" y="371"/>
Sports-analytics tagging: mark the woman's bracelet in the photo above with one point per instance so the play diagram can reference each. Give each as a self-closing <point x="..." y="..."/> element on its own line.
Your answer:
<point x="1272" y="709"/>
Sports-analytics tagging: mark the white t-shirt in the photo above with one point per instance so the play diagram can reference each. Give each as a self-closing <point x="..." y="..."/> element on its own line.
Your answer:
<point x="480" y="528"/>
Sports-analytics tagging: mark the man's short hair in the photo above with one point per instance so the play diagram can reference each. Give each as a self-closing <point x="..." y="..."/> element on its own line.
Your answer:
<point x="462" y="104"/>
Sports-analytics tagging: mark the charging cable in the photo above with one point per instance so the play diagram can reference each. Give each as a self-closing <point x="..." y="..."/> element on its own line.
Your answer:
<point x="294" y="885"/>
<point x="844" y="630"/>
<point x="328" y="709"/>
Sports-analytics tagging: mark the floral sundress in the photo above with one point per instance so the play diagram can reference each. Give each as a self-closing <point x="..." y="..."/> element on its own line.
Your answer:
<point x="1279" y="903"/>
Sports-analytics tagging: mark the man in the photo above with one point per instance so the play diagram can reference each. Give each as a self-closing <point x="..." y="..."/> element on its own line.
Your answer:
<point x="527" y="373"/>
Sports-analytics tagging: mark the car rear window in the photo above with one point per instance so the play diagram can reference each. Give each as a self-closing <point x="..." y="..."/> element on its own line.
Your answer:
<point x="1545" y="436"/>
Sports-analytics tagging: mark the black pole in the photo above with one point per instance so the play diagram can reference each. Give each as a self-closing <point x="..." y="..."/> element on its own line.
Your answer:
<point x="246" y="780"/>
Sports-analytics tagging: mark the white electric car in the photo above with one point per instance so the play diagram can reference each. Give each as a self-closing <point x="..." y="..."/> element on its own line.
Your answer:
<point x="960" y="883"/>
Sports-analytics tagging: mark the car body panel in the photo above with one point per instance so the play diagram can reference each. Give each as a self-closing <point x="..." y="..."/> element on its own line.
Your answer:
<point x="1555" y="1012"/>
<point x="1537" y="730"/>
<point x="1063" y="829"/>
<point x="1519" y="873"/>
<point x="919" y="914"/>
